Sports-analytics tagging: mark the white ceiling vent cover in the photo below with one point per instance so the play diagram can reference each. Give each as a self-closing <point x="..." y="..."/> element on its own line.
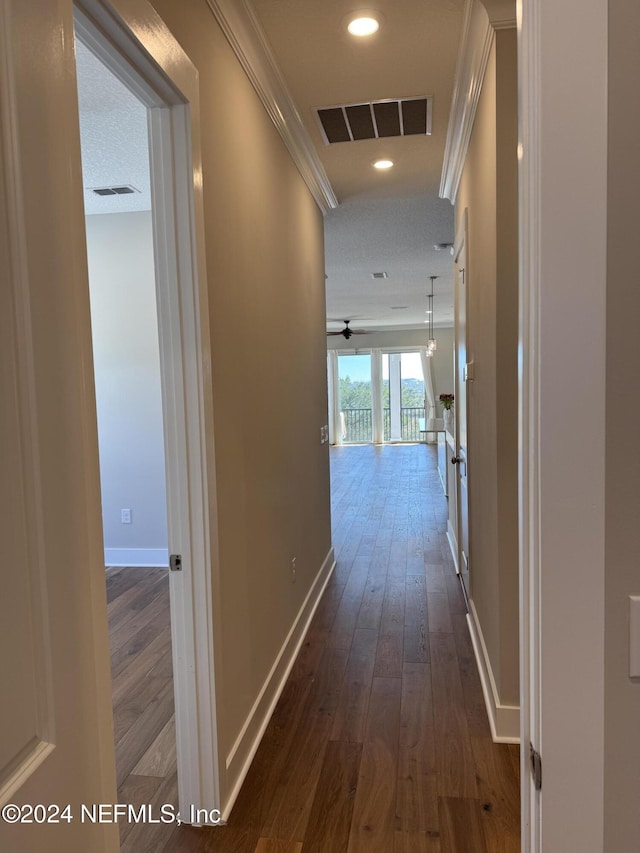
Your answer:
<point x="375" y="120"/>
<point x="379" y="275"/>
<point x="122" y="189"/>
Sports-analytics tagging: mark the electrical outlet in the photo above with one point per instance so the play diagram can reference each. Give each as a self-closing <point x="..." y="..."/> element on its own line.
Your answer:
<point x="293" y="570"/>
<point x="125" y="516"/>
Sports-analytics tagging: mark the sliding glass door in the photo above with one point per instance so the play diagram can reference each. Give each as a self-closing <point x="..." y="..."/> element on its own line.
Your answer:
<point x="355" y="399"/>
<point x="402" y="397"/>
<point x="376" y="396"/>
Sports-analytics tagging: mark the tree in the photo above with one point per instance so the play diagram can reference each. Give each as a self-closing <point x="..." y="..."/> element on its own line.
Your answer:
<point x="354" y="395"/>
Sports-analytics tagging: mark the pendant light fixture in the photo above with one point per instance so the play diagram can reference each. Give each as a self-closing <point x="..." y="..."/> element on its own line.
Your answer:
<point x="432" y="343"/>
<point x="429" y="313"/>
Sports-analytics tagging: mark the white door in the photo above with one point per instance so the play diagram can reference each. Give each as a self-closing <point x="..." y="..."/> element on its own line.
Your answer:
<point x="460" y="460"/>
<point x="56" y="738"/>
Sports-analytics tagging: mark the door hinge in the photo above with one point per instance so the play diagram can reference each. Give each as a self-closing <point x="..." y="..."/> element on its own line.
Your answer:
<point x="536" y="767"/>
<point x="175" y="562"/>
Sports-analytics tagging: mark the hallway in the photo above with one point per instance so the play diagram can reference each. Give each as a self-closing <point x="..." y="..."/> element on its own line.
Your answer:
<point x="380" y="741"/>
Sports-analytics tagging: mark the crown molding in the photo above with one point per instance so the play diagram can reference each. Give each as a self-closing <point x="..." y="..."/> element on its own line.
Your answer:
<point x="506" y="24"/>
<point x="502" y="13"/>
<point x="244" y="33"/>
<point x="476" y="40"/>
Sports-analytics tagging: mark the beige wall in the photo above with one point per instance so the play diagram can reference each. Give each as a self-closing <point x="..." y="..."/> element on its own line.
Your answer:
<point x="507" y="356"/>
<point x="488" y="191"/>
<point x="265" y="265"/>
<point x="622" y="531"/>
<point x="441" y="363"/>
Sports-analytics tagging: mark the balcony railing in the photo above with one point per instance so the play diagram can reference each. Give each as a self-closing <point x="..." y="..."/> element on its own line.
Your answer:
<point x="358" y="427"/>
<point x="410" y="423"/>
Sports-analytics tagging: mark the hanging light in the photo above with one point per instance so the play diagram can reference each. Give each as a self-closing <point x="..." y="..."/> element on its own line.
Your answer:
<point x="429" y="321"/>
<point x="432" y="344"/>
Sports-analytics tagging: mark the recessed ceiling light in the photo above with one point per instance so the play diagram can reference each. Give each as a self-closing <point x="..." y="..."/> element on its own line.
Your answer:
<point x="383" y="164"/>
<point x="363" y="24"/>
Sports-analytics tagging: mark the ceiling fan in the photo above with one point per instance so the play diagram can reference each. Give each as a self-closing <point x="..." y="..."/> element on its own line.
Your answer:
<point x="347" y="331"/>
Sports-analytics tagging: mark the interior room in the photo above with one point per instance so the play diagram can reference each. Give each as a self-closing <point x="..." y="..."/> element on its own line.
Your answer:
<point x="394" y="332"/>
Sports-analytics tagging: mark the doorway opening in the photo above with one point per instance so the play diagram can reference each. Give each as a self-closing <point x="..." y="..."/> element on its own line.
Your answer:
<point x="175" y="358"/>
<point x="128" y="384"/>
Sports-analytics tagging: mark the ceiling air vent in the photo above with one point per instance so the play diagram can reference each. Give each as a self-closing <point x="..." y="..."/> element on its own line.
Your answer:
<point x="124" y="189"/>
<point x="375" y="120"/>
<point x="379" y="275"/>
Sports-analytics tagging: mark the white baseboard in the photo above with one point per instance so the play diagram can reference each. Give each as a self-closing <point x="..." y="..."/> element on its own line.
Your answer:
<point x="243" y="750"/>
<point x="136" y="557"/>
<point x="504" y="720"/>
<point x="453" y="545"/>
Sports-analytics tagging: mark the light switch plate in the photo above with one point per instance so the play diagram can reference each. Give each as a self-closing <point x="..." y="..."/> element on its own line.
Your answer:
<point x="634" y="636"/>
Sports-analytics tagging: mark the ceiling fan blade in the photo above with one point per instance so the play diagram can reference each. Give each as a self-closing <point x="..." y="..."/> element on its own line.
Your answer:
<point x="347" y="332"/>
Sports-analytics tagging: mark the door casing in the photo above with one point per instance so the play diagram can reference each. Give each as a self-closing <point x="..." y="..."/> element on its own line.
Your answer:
<point x="119" y="33"/>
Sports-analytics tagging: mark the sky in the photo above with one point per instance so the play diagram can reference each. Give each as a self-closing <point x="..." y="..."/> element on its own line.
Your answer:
<point x="358" y="367"/>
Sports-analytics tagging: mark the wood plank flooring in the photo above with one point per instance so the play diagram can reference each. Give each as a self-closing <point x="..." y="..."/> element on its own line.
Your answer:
<point x="380" y="740"/>
<point x="141" y="669"/>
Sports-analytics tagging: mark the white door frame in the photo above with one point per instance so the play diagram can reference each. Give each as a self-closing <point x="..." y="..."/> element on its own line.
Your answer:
<point x="128" y="29"/>
<point x="563" y="204"/>
<point x="462" y="558"/>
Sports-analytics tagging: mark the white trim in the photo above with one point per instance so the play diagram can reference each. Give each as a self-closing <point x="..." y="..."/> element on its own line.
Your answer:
<point x="144" y="42"/>
<point x="244" y="33"/>
<point x="504" y="720"/>
<point x="243" y="750"/>
<point x="507" y="24"/>
<point x="502" y="13"/>
<point x="185" y="453"/>
<point x="137" y="557"/>
<point x="26" y="767"/>
<point x="377" y="414"/>
<point x="453" y="543"/>
<point x="528" y="415"/>
<point x="476" y="40"/>
<point x="562" y="341"/>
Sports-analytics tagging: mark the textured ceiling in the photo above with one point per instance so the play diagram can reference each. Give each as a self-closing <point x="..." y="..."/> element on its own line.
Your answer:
<point x="354" y="250"/>
<point x="113" y="134"/>
<point x="387" y="221"/>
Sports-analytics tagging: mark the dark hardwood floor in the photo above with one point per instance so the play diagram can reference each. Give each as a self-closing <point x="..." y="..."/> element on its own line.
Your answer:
<point x="380" y="742"/>
<point x="140" y="638"/>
